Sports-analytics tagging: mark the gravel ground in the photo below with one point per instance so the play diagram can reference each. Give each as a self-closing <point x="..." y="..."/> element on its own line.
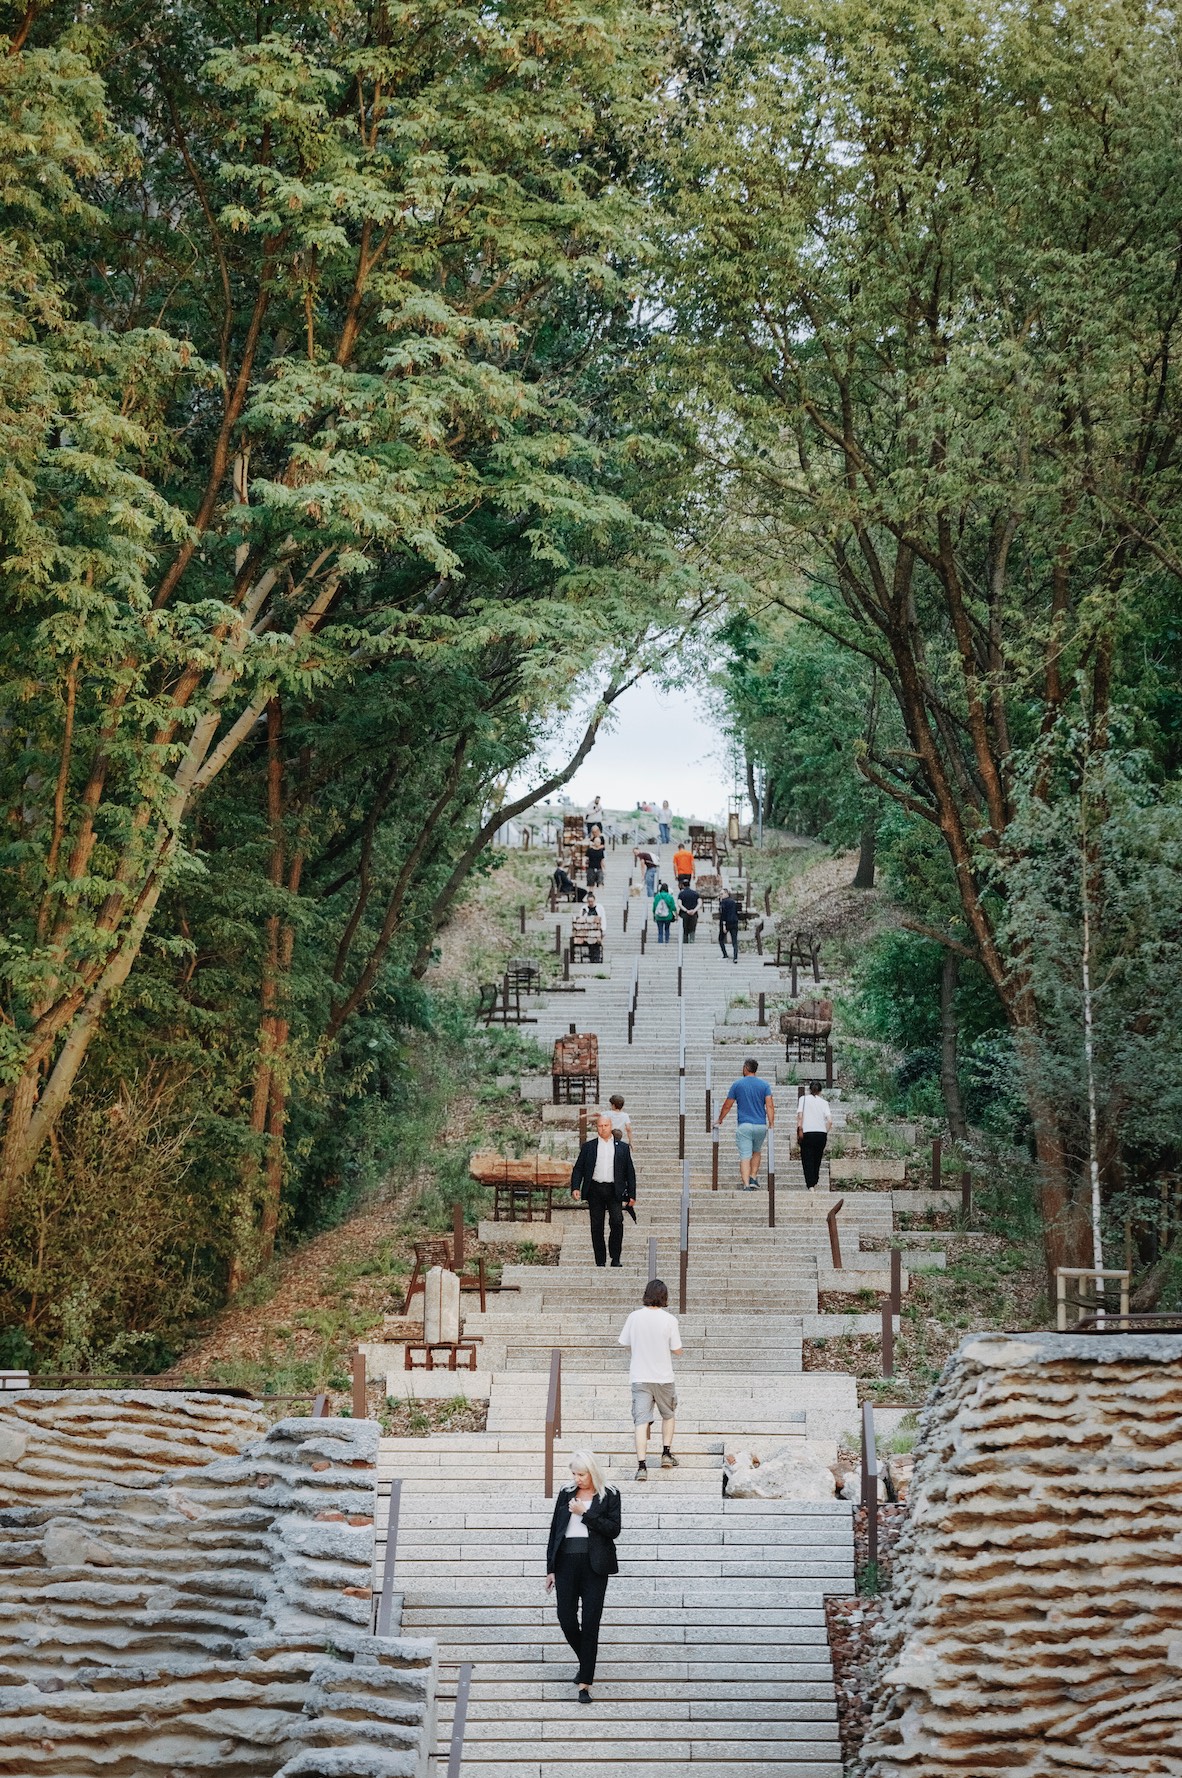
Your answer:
<point x="851" y="1624"/>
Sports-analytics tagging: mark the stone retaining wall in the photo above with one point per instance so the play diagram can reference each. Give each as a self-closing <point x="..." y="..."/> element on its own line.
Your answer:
<point x="1034" y="1627"/>
<point x="215" y="1616"/>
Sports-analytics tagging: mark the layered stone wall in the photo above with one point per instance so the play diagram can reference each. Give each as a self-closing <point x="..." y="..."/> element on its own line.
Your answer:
<point x="213" y="1617"/>
<point x="1034" y="1627"/>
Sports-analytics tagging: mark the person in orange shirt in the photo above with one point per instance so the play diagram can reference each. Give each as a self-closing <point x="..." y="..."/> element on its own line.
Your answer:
<point x="683" y="866"/>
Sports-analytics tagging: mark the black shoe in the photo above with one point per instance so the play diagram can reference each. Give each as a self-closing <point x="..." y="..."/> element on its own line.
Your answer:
<point x="584" y="1695"/>
<point x="615" y="1262"/>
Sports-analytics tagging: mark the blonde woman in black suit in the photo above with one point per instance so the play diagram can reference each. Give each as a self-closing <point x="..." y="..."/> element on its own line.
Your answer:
<point x="580" y="1559"/>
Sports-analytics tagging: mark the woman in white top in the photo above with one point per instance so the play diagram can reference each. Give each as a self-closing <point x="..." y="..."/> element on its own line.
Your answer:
<point x="581" y="1558"/>
<point x="814" y="1120"/>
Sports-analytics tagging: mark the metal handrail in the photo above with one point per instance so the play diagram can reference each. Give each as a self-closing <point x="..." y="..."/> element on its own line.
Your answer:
<point x="1113" y="1321"/>
<point x="709" y="1094"/>
<point x="714" y="1135"/>
<point x="459" y="1721"/>
<point x="385" y="1609"/>
<point x="870" y="1482"/>
<point x="553" y="1417"/>
<point x="681" y="1116"/>
<point x="771" y="1176"/>
<point x="684" y="1245"/>
<point x="834" y="1237"/>
<point x="681" y="1041"/>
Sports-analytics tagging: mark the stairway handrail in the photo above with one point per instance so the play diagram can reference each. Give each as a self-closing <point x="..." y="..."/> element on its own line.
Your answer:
<point x="459" y="1721"/>
<point x="553" y="1417"/>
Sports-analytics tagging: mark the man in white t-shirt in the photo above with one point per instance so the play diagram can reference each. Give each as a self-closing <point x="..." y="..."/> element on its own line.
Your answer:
<point x="814" y="1120"/>
<point x="655" y="1341"/>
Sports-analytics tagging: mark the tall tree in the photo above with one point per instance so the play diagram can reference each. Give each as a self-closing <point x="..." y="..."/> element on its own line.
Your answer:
<point x="294" y="338"/>
<point x="927" y="266"/>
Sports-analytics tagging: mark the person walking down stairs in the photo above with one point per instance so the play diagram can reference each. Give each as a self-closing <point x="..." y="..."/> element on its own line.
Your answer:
<point x="755" y="1114"/>
<point x="581" y="1558"/>
<point x="654" y="1340"/>
<point x="728" y="924"/>
<point x="664" y="913"/>
<point x="604" y="1176"/>
<point x="814" y="1120"/>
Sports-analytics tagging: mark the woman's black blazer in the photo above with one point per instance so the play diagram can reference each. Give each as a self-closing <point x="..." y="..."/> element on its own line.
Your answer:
<point x="602" y="1519"/>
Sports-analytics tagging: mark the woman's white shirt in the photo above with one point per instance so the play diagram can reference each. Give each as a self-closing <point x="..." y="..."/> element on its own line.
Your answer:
<point x="575" y="1526"/>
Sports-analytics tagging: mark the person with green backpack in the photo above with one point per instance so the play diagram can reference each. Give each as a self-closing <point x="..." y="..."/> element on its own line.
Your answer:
<point x="664" y="913"/>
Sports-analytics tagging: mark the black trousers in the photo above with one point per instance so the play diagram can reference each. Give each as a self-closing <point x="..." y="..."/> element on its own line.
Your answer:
<point x="731" y="932"/>
<point x="604" y="1200"/>
<point x="812" y="1147"/>
<point x="575" y="1585"/>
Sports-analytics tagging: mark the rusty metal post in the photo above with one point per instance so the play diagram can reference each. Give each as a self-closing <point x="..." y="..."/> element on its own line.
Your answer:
<point x="681" y="1117"/>
<point x="360" y="1396"/>
<point x="558" y="940"/>
<point x="896" y="1282"/>
<point x="714" y="1160"/>
<point x="684" y="1253"/>
<point x="937" y="1156"/>
<point x="631" y="1023"/>
<point x="771" y="1178"/>
<point x="834" y="1237"/>
<point x="457" y="1237"/>
<point x="966" y="1195"/>
<point x="794" y="989"/>
<point x="767" y="902"/>
<point x="643" y="937"/>
<point x="553" y="1427"/>
<point x="888" y="1339"/>
<point x="759" y="938"/>
<point x="582" y="1125"/>
<point x="521" y="917"/>
<point x="709" y="1097"/>
<point x="828" y="1064"/>
<point x="318" y="1407"/>
<point x="624" y="923"/>
<point x="870" y="1481"/>
<point x="762" y="1020"/>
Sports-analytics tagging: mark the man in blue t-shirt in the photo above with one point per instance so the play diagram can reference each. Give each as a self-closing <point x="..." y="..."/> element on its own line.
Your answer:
<point x="756" y="1113"/>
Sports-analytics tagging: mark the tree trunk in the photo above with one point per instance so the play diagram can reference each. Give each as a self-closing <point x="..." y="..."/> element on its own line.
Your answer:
<point x="864" y="875"/>
<point x="752" y="793"/>
<point x="949" y="1084"/>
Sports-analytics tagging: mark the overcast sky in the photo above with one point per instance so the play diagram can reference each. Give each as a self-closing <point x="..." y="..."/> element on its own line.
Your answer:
<point x="654" y="744"/>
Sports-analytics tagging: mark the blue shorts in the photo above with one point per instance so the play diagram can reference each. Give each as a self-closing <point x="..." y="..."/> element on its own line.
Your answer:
<point x="750" y="1139"/>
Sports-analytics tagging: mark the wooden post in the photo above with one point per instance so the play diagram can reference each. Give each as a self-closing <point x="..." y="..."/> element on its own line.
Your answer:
<point x="888" y="1339"/>
<point x="457" y="1237"/>
<point x="360" y="1397"/>
<point x="937" y="1155"/>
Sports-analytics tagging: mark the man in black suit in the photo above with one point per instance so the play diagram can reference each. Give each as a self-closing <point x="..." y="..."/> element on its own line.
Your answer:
<point x="605" y="1177"/>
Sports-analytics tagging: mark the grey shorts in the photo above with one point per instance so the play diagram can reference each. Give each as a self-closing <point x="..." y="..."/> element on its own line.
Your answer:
<point x="652" y="1399"/>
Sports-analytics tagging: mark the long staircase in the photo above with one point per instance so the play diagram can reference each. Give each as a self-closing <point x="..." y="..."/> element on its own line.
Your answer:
<point x="713" y="1650"/>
